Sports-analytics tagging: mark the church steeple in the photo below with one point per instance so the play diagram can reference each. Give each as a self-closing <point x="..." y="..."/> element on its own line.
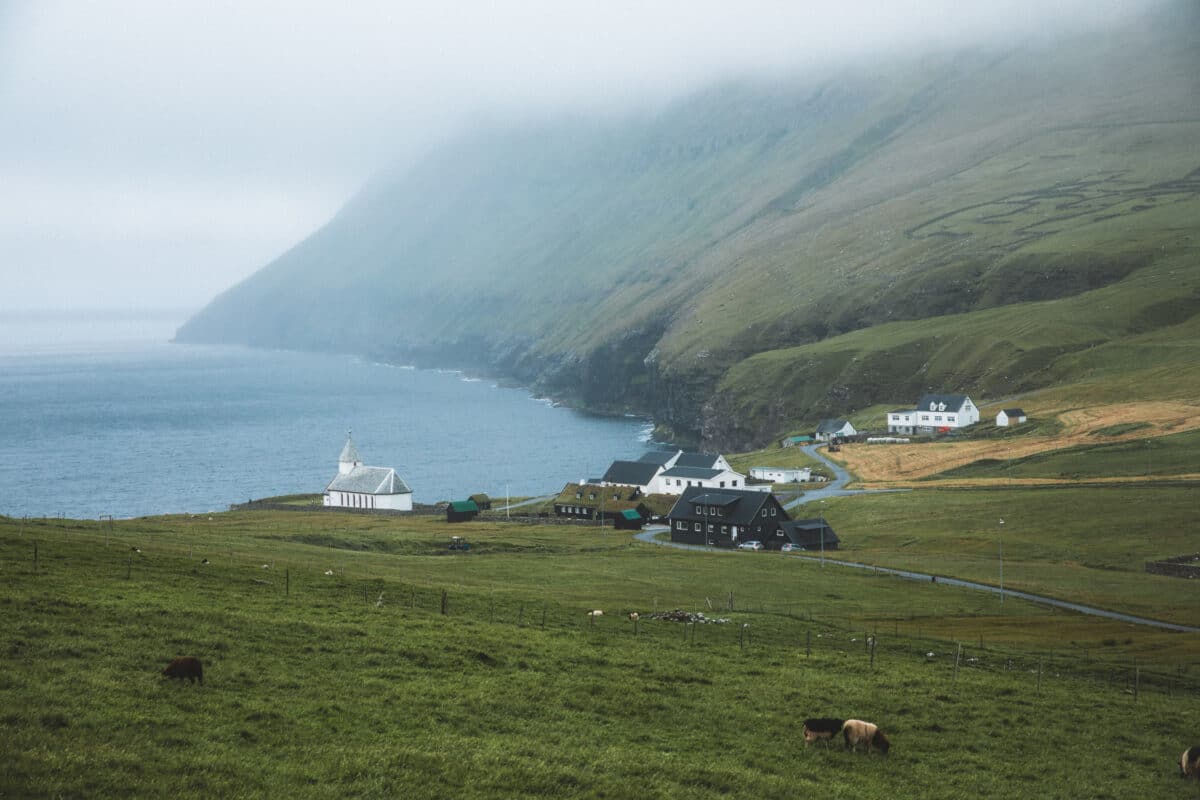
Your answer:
<point x="349" y="459"/>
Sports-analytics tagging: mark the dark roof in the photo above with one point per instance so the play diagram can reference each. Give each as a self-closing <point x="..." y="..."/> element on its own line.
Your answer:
<point x="692" y="472"/>
<point x="698" y="460"/>
<point x="634" y="473"/>
<point x="660" y="457"/>
<point x="953" y="402"/>
<point x="1014" y="412"/>
<point x="462" y="506"/>
<point x="740" y="506"/>
<point x="807" y="532"/>
<point x="831" y="425"/>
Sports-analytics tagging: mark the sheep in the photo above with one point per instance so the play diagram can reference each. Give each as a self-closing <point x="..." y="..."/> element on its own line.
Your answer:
<point x="1189" y="763"/>
<point x="595" y="613"/>
<point x="185" y="668"/>
<point x="821" y="728"/>
<point x="867" y="733"/>
<point x="633" y="616"/>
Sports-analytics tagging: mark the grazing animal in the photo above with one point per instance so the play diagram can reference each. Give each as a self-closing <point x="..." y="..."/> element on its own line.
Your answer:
<point x="205" y="561"/>
<point x="596" y="613"/>
<point x="821" y="728"/>
<point x="866" y="733"/>
<point x="328" y="572"/>
<point x="633" y="616"/>
<point x="1189" y="763"/>
<point x="185" y="668"/>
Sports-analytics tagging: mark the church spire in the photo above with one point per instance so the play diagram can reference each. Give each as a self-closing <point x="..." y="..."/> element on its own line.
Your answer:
<point x="349" y="458"/>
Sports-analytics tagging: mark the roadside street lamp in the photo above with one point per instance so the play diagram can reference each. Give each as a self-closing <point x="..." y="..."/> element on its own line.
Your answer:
<point x="1000" y="536"/>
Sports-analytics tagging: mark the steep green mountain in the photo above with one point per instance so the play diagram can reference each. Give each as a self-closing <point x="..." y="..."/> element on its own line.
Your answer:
<point x="764" y="253"/>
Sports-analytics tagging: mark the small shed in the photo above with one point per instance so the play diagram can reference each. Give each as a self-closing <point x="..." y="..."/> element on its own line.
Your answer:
<point x="810" y="534"/>
<point x="629" y="520"/>
<point x="793" y="441"/>
<point x="830" y="429"/>
<point x="461" y="511"/>
<point x="1010" y="416"/>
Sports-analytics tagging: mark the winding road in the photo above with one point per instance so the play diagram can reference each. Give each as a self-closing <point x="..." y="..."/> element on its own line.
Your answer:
<point x="835" y="489"/>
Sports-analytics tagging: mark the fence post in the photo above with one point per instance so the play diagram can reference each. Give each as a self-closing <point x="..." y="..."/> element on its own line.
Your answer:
<point x="874" y="642"/>
<point x="445" y="602"/>
<point x="129" y="566"/>
<point x="807" y="644"/>
<point x="287" y="582"/>
<point x="543" y="616"/>
<point x="957" y="658"/>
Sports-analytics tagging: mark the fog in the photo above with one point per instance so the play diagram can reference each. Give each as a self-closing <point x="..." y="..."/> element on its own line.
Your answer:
<point x="153" y="154"/>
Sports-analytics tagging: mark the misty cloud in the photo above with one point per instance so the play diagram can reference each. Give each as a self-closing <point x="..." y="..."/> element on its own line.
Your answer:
<point x="142" y="138"/>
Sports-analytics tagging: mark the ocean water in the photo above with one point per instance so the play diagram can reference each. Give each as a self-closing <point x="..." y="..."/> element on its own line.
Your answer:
<point x="101" y="414"/>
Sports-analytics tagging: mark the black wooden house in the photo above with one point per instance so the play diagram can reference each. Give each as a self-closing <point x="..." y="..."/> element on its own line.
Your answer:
<point x="727" y="517"/>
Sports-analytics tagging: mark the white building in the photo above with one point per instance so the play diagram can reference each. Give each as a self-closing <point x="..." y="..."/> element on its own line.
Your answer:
<point x="829" y="429"/>
<point x="935" y="413"/>
<point x="1010" y="416"/>
<point x="782" y="474"/>
<point x="670" y="472"/>
<point x="358" y="486"/>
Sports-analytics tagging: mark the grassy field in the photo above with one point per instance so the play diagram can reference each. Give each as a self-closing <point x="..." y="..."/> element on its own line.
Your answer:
<point x="356" y="684"/>
<point x="1087" y="544"/>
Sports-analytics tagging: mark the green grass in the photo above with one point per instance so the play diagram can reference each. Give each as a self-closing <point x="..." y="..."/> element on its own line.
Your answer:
<point x="1159" y="456"/>
<point x="321" y="690"/>
<point x="1087" y="544"/>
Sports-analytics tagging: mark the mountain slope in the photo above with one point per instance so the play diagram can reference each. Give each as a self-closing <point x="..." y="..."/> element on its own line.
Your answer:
<point x="702" y="263"/>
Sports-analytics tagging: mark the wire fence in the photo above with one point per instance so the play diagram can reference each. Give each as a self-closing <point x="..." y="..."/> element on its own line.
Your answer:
<point x="717" y="619"/>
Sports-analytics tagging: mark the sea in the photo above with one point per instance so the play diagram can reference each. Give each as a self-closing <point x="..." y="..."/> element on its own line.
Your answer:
<point x="101" y="414"/>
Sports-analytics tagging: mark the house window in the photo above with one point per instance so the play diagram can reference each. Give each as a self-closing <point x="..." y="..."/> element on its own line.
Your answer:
<point x="696" y="527"/>
<point x="764" y="512"/>
<point x="722" y="484"/>
<point x="725" y="529"/>
<point x="949" y="418"/>
<point x="592" y="496"/>
<point x="937" y="417"/>
<point x="578" y="495"/>
<point x="735" y="483"/>
<point x="700" y="510"/>
<point x="711" y="527"/>
<point x="681" y="525"/>
<point x="712" y="511"/>
<point x="772" y="511"/>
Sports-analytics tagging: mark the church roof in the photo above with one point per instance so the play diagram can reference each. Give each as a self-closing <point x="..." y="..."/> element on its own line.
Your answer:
<point x="349" y="453"/>
<point x="369" y="480"/>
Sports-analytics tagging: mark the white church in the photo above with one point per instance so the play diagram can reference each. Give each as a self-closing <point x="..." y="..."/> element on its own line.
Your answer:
<point x="357" y="486"/>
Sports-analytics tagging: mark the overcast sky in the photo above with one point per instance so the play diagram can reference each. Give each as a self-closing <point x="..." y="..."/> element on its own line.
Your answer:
<point x="155" y="152"/>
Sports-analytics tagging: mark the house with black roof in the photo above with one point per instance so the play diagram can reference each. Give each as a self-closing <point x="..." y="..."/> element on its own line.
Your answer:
<point x="670" y="472"/>
<point x="935" y="413"/>
<point x="809" y="534"/>
<point x="830" y="429"/>
<point x="725" y="517"/>
<point x="1010" y="416"/>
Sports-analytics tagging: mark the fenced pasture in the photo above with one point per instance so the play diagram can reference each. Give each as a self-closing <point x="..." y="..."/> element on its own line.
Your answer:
<point x="418" y="672"/>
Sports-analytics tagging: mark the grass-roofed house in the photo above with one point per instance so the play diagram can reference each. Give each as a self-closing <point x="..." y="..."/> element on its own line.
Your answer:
<point x="461" y="511"/>
<point x="725" y="517"/>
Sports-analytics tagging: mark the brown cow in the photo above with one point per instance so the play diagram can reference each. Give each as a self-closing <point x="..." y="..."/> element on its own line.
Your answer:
<point x="858" y="732"/>
<point x="185" y="668"/>
<point x="1189" y="763"/>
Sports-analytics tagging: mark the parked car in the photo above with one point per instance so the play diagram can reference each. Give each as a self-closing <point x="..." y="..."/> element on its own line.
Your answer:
<point x="753" y="544"/>
<point x="788" y="547"/>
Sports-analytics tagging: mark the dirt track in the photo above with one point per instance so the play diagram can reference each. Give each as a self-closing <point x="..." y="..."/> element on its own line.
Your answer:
<point x="899" y="464"/>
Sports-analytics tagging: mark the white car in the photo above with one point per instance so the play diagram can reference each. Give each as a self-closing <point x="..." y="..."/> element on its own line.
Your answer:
<point x="753" y="544"/>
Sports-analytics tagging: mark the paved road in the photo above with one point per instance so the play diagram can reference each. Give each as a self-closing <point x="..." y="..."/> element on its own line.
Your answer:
<point x="835" y="487"/>
<point x="649" y="534"/>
